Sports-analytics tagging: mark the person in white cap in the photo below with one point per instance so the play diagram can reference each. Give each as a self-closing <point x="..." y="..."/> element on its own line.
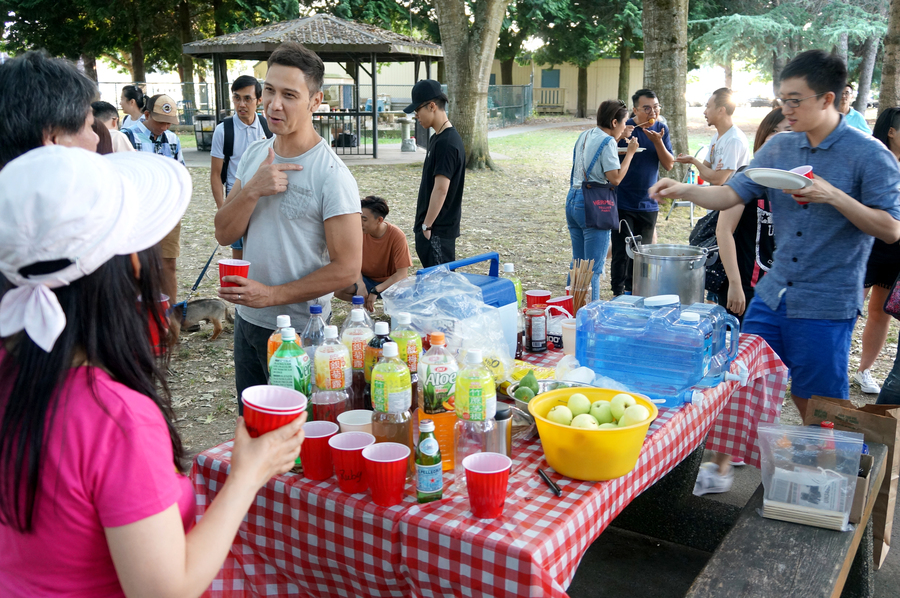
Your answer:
<point x="153" y="135"/>
<point x="94" y="500"/>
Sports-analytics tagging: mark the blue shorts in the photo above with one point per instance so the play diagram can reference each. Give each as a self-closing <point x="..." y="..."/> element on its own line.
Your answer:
<point x="370" y="284"/>
<point x="238" y="245"/>
<point x="817" y="352"/>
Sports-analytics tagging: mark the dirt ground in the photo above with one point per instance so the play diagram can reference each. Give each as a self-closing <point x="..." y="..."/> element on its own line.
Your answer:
<point x="517" y="211"/>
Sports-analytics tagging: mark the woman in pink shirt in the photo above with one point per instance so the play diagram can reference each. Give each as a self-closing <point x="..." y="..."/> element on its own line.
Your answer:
<point x="94" y="494"/>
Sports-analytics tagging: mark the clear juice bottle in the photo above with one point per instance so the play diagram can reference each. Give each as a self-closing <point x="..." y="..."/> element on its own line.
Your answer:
<point x="281" y="322"/>
<point x="476" y="405"/>
<point x="437" y="393"/>
<point x="358" y="302"/>
<point x="409" y="344"/>
<point x="290" y="366"/>
<point x="356" y="337"/>
<point x="391" y="399"/>
<point x="509" y="271"/>
<point x="333" y="375"/>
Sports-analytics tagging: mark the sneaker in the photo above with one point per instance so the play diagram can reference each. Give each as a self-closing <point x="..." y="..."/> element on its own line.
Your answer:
<point x="710" y="481"/>
<point x="866" y="382"/>
<point x="737" y="462"/>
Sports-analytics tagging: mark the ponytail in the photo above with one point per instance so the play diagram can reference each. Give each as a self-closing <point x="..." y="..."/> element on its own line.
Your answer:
<point x="133" y="92"/>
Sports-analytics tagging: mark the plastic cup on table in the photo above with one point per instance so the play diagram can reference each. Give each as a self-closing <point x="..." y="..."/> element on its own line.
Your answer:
<point x="386" y="467"/>
<point x="231" y="267"/>
<point x="806" y="171"/>
<point x="487" y="479"/>
<point x="357" y="420"/>
<point x="533" y="298"/>
<point x="567" y="303"/>
<point x="315" y="454"/>
<point x="267" y="408"/>
<point x="568" y="336"/>
<point x="349" y="464"/>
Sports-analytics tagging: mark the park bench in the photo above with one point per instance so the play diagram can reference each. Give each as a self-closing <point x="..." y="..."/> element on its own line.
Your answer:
<point x="764" y="557"/>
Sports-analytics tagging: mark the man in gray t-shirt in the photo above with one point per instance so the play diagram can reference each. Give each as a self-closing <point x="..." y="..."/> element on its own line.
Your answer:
<point x="297" y="207"/>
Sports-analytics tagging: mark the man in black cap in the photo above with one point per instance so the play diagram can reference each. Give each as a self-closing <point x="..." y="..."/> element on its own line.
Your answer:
<point x="439" y="207"/>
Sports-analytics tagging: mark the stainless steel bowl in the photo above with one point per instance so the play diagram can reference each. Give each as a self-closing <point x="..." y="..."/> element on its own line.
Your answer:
<point x="543" y="386"/>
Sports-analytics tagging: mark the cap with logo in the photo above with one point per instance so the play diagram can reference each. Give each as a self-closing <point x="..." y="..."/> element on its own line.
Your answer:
<point x="163" y="109"/>
<point x="425" y="91"/>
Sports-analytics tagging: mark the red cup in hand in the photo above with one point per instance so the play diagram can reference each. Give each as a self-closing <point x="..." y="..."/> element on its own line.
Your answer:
<point x="487" y="479"/>
<point x="231" y="267"/>
<point x="267" y="408"/>
<point x="806" y="171"/>
<point x="349" y="465"/>
<point x="386" y="466"/>
<point x="315" y="454"/>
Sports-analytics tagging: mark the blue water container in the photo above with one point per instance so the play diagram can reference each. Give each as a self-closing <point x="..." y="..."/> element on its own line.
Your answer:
<point x="651" y="345"/>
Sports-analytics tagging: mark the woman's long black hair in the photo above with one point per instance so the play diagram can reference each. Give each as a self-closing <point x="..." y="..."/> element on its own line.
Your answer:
<point x="133" y="92"/>
<point x="887" y="119"/>
<point x="110" y="331"/>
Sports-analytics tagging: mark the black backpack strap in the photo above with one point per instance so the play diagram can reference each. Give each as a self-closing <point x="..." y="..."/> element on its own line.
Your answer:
<point x="265" y="126"/>
<point x="128" y="133"/>
<point x="228" y="148"/>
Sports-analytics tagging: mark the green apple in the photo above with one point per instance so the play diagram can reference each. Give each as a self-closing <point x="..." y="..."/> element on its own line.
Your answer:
<point x="608" y="426"/>
<point x="634" y="415"/>
<point x="619" y="403"/>
<point x="602" y="412"/>
<point x="585" y="420"/>
<point x="579" y="404"/>
<point x="560" y="415"/>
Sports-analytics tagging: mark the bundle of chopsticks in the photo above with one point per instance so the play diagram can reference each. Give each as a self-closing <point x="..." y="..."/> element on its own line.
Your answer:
<point x="580" y="281"/>
<point x="783" y="511"/>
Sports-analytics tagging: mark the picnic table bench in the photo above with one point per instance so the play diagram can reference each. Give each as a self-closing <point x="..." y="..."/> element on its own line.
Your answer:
<point x="764" y="557"/>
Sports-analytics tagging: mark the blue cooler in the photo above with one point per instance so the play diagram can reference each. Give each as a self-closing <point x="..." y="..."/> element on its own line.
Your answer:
<point x="495" y="291"/>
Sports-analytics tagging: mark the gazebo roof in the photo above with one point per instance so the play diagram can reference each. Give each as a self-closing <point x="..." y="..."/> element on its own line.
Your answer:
<point x="333" y="39"/>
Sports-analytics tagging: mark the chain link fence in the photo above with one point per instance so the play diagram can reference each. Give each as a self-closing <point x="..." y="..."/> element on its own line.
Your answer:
<point x="191" y="98"/>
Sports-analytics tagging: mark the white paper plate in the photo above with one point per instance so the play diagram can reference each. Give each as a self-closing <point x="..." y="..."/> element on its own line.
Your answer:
<point x="778" y="179"/>
<point x="622" y="150"/>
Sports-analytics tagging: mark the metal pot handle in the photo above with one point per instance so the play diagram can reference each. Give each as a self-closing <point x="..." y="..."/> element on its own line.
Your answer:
<point x="712" y="254"/>
<point x="632" y="242"/>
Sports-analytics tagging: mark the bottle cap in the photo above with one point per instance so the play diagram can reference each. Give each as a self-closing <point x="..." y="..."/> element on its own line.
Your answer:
<point x="382" y="328"/>
<point x="437" y="338"/>
<point x="426" y="425"/>
<point x="331" y="332"/>
<point x="827" y="424"/>
<point x="357" y="315"/>
<point x="509" y="267"/>
<point x="358" y="300"/>
<point x="403" y="318"/>
<point x="473" y="356"/>
<point x="288" y="334"/>
<point x="661" y="300"/>
<point x="690" y="317"/>
<point x="389" y="349"/>
<point x="315" y="309"/>
<point x="282" y="321"/>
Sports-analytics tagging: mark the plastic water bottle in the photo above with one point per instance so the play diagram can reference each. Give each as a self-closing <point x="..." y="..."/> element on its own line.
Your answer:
<point x="281" y="322"/>
<point x="409" y="343"/>
<point x="356" y="336"/>
<point x="357" y="303"/>
<point x="391" y="399"/>
<point x="314" y="334"/>
<point x="476" y="405"/>
<point x="437" y="394"/>
<point x="290" y="365"/>
<point x="509" y="271"/>
<point x="333" y="375"/>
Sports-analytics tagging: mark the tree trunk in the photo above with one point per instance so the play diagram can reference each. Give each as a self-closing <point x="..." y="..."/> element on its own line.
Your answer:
<point x="728" y="66"/>
<point x="778" y="63"/>
<point x="468" y="57"/>
<point x="506" y="71"/>
<point x="625" y="65"/>
<point x="868" y="53"/>
<point x="665" y="66"/>
<point x="841" y="48"/>
<point x="217" y="9"/>
<point x="442" y="72"/>
<point x="581" y="105"/>
<point x="137" y="56"/>
<point x="90" y="66"/>
<point x="187" y="62"/>
<point x="890" y="66"/>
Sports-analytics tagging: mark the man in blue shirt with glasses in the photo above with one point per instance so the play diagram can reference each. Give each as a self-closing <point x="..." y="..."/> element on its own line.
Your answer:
<point x="807" y="305"/>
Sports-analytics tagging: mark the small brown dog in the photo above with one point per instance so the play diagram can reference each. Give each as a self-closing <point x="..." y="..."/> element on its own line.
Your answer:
<point x="212" y="311"/>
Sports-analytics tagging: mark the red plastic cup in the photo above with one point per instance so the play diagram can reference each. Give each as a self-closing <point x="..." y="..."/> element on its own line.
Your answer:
<point x="568" y="291"/>
<point x="806" y="171"/>
<point x="487" y="478"/>
<point x="233" y="268"/>
<point x="567" y="303"/>
<point x="315" y="454"/>
<point x="533" y="298"/>
<point x="159" y="334"/>
<point x="386" y="467"/>
<point x="349" y="465"/>
<point x="267" y="408"/>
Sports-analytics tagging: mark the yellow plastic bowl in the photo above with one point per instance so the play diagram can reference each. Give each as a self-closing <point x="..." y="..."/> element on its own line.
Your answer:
<point x="589" y="455"/>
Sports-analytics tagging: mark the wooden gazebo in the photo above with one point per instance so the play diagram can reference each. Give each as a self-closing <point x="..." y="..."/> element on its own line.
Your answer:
<point x="352" y="45"/>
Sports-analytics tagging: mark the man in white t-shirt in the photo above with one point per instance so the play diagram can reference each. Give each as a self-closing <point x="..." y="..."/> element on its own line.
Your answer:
<point x="107" y="114"/>
<point x="298" y="208"/>
<point x="728" y="149"/>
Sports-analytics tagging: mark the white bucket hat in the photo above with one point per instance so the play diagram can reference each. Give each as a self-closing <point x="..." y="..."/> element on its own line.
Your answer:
<point x="60" y="203"/>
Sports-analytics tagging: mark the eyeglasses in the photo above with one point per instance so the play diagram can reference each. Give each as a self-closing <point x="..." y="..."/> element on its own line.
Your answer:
<point x="651" y="109"/>
<point x="795" y="102"/>
<point x="847" y="94"/>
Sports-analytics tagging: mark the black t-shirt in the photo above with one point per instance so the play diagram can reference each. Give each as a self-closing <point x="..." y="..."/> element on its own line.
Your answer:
<point x="754" y="240"/>
<point x="446" y="156"/>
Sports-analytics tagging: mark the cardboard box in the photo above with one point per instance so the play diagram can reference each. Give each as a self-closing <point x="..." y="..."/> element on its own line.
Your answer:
<point x="862" y="488"/>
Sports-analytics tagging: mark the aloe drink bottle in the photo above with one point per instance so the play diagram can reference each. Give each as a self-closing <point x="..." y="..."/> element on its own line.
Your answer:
<point x="290" y="365"/>
<point x="476" y="405"/>
<point x="437" y="393"/>
<point x="409" y="344"/>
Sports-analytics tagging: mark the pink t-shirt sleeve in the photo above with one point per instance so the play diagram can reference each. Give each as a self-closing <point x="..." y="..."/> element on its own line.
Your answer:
<point x="135" y="475"/>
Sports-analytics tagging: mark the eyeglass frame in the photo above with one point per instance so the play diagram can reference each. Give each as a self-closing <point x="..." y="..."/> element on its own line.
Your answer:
<point x="649" y="109"/>
<point x="793" y="103"/>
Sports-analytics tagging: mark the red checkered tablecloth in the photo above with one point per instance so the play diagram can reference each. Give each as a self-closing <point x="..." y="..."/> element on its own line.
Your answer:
<point x="304" y="538"/>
